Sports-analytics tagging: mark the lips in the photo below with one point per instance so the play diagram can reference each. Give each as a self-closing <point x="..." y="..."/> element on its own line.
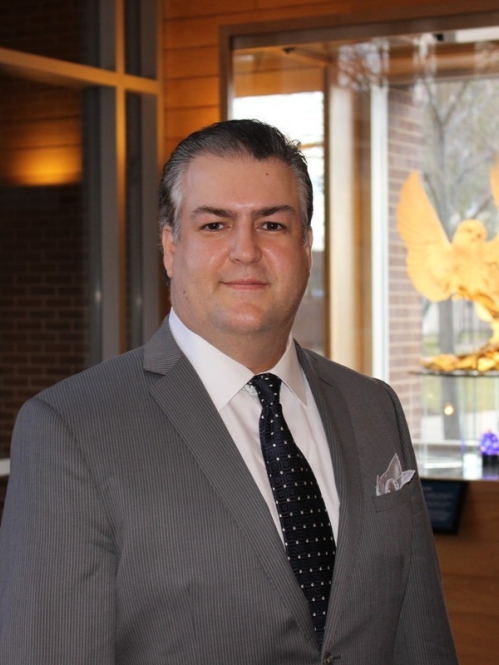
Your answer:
<point x="245" y="284"/>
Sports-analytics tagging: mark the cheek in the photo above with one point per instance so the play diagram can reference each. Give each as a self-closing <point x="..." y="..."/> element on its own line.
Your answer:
<point x="296" y="265"/>
<point x="196" y="264"/>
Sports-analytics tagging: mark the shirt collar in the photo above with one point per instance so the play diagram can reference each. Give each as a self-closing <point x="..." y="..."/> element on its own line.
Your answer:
<point x="210" y="364"/>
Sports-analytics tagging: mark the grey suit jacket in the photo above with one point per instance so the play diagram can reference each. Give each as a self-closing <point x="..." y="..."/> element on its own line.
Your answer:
<point x="133" y="532"/>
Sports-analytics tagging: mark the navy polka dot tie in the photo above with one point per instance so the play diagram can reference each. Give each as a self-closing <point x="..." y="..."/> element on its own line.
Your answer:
<point x="308" y="535"/>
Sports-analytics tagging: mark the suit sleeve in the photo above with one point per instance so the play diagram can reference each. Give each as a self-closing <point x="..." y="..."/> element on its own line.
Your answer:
<point x="423" y="634"/>
<point x="57" y="564"/>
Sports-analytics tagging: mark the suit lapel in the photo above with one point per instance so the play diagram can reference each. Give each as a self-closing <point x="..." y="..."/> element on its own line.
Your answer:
<point x="195" y="417"/>
<point x="344" y="454"/>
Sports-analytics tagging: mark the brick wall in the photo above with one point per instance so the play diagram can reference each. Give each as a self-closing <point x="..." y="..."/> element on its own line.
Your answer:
<point x="405" y="152"/>
<point x="43" y="244"/>
<point x="43" y="300"/>
<point x="44" y="312"/>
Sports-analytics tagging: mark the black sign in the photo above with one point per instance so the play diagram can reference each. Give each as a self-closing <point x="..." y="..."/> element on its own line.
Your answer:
<point x="444" y="499"/>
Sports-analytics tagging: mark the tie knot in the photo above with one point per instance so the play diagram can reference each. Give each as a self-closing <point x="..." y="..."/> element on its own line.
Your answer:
<point x="267" y="387"/>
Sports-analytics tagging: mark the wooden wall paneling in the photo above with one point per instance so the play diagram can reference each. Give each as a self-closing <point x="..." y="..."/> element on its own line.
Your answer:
<point x="181" y="122"/>
<point x="470" y="570"/>
<point x="180" y="8"/>
<point x="191" y="62"/>
<point x="191" y="93"/>
<point x="191" y="32"/>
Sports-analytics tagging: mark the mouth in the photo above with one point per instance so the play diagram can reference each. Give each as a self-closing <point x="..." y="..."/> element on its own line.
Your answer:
<point x="245" y="284"/>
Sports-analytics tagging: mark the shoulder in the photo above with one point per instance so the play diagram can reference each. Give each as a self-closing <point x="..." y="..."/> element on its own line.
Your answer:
<point x="115" y="390"/>
<point x="371" y="404"/>
<point x="355" y="387"/>
<point x="329" y="370"/>
<point x="97" y="410"/>
<point x="110" y="379"/>
<point x="121" y="374"/>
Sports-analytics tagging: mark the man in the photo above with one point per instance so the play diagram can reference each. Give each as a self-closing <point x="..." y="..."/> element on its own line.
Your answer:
<point x="149" y="519"/>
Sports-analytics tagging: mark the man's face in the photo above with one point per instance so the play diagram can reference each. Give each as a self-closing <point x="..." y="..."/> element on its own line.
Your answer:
<point x="240" y="265"/>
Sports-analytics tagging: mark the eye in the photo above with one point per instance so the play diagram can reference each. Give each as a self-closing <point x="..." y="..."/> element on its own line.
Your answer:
<point x="272" y="226"/>
<point x="213" y="226"/>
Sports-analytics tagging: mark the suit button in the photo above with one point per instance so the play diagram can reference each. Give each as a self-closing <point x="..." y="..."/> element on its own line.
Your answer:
<point x="328" y="659"/>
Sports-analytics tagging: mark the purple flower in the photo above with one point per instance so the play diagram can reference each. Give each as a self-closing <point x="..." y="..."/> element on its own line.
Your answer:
<point x="489" y="444"/>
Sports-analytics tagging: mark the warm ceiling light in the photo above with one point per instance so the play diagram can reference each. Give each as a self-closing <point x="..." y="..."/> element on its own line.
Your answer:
<point x="45" y="166"/>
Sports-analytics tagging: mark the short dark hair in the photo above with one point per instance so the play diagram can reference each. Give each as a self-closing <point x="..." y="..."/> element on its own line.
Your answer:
<point x="233" y="138"/>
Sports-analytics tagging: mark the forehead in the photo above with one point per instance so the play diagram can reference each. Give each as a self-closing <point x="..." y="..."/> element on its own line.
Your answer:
<point x="211" y="179"/>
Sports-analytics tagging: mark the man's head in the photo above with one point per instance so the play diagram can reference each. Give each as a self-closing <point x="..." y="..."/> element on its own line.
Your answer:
<point x="236" y="238"/>
<point x="232" y="138"/>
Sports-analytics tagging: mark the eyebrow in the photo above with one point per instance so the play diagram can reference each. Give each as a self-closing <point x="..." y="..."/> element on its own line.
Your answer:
<point x="225" y="213"/>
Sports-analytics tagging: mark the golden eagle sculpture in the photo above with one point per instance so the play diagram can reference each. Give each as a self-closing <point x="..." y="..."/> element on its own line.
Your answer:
<point x="466" y="267"/>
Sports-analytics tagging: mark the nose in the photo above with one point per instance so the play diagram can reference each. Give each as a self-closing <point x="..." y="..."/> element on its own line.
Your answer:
<point x="244" y="244"/>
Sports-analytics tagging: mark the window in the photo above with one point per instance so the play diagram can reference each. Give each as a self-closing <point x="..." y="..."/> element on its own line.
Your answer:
<point x="393" y="103"/>
<point x="78" y="179"/>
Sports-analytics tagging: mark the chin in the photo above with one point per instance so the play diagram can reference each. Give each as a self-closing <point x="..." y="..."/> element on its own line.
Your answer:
<point x="243" y="321"/>
<point x="251" y="323"/>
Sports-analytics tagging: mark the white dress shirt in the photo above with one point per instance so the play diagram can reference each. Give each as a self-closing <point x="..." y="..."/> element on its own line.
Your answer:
<point x="240" y="409"/>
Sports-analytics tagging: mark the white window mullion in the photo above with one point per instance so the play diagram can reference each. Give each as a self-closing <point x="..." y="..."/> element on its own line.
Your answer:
<point x="379" y="232"/>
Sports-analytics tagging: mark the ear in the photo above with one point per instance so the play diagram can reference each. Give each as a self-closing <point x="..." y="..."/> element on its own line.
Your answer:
<point x="168" y="244"/>
<point x="308" y="245"/>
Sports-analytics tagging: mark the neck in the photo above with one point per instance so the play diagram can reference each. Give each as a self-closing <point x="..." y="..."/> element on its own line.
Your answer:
<point x="258" y="355"/>
<point x="258" y="350"/>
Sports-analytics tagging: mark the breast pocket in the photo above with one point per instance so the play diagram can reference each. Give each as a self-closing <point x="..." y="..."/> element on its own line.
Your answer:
<point x="391" y="535"/>
<point x="392" y="499"/>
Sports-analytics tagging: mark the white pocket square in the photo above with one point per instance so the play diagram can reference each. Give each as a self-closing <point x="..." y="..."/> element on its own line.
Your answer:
<point x="393" y="479"/>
